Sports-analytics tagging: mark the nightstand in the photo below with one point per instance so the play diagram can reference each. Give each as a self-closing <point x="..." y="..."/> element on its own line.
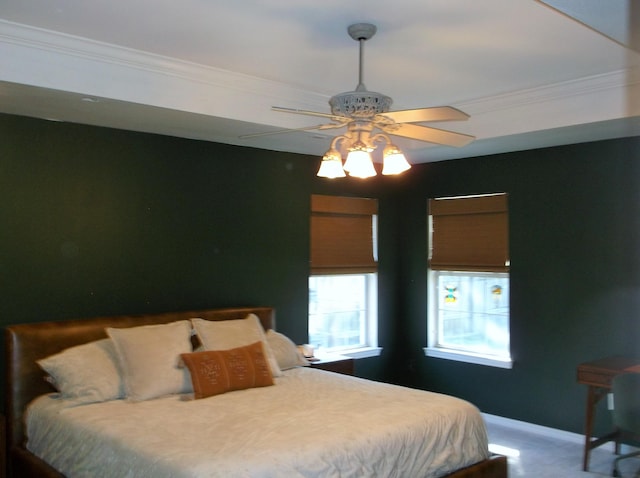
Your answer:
<point x="334" y="363"/>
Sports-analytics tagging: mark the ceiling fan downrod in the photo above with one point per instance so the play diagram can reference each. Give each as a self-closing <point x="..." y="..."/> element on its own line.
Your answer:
<point x="361" y="32"/>
<point x="360" y="103"/>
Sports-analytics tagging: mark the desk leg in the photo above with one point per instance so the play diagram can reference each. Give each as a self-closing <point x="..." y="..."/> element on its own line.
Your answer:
<point x="594" y="395"/>
<point x="588" y="425"/>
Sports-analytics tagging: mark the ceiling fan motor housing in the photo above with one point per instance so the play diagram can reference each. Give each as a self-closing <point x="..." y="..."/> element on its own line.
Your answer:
<point x="359" y="104"/>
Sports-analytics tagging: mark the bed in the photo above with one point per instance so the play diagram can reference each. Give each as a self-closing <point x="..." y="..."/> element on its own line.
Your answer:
<point x="304" y="422"/>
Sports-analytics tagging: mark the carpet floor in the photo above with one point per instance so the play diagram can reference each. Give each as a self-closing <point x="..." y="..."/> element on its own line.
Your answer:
<point x="540" y="456"/>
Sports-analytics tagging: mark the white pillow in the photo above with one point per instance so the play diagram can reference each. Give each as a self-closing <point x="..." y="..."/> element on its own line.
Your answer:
<point x="149" y="355"/>
<point x="229" y="334"/>
<point x="85" y="373"/>
<point x="285" y="351"/>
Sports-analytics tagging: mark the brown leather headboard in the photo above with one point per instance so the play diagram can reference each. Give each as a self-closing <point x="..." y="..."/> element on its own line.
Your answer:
<point x="26" y="343"/>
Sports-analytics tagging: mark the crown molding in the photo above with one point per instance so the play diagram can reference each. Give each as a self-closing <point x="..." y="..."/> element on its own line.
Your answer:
<point x="29" y="50"/>
<point x="619" y="80"/>
<point x="46" y="59"/>
<point x="57" y="46"/>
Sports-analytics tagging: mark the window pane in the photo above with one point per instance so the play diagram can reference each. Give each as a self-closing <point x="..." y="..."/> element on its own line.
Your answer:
<point x="338" y="311"/>
<point x="473" y="312"/>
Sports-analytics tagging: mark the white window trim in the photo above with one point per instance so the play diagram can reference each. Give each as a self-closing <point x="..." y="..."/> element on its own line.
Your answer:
<point x="363" y="352"/>
<point x="467" y="357"/>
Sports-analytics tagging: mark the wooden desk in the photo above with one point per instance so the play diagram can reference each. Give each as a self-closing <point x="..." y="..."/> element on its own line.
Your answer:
<point x="597" y="375"/>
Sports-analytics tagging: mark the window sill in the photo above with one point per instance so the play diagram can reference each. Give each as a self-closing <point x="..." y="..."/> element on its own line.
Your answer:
<point x="363" y="352"/>
<point x="467" y="357"/>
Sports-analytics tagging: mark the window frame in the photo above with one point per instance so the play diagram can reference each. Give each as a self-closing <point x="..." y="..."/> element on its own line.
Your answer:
<point x="354" y="254"/>
<point x="369" y="330"/>
<point x="433" y="349"/>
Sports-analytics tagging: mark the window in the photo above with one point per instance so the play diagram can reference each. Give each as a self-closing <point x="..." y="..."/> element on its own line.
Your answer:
<point x="343" y="279"/>
<point x="468" y="314"/>
<point x="341" y="310"/>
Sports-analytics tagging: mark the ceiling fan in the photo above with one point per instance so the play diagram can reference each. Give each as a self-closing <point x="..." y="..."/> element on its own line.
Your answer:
<point x="367" y="118"/>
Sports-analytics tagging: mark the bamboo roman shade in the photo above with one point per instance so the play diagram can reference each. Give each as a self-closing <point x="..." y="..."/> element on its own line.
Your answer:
<point x="470" y="234"/>
<point x="343" y="235"/>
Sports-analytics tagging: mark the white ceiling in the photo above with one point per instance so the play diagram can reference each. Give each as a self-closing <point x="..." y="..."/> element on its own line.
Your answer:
<point x="529" y="74"/>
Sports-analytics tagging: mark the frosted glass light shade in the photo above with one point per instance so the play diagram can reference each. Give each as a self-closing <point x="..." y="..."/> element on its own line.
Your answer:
<point x="331" y="165"/>
<point x="359" y="164"/>
<point x="395" y="163"/>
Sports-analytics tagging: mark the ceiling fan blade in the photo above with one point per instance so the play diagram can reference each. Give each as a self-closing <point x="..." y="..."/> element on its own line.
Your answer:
<point x="340" y="119"/>
<point x="428" y="134"/>
<point x="291" y="130"/>
<point x="438" y="113"/>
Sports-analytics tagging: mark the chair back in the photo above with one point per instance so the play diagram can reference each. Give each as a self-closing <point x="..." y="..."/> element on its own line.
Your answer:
<point x="626" y="402"/>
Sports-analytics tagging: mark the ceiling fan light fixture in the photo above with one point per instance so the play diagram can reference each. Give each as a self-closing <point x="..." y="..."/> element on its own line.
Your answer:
<point x="364" y="113"/>
<point x="331" y="165"/>
<point x="394" y="160"/>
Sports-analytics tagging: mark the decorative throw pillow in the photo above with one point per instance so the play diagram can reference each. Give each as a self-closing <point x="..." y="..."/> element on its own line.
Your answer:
<point x="148" y="356"/>
<point x="218" y="371"/>
<point x="85" y="373"/>
<point x="285" y="351"/>
<point x="228" y="334"/>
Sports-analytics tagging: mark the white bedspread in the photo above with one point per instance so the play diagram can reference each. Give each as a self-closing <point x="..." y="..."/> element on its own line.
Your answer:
<point x="311" y="423"/>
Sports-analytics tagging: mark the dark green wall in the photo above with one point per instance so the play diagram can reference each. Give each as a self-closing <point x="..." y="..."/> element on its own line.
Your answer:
<point x="575" y="275"/>
<point x="98" y="221"/>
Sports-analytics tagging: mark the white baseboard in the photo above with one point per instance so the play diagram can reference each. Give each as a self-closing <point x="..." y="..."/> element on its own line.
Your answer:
<point x="552" y="433"/>
<point x="533" y="428"/>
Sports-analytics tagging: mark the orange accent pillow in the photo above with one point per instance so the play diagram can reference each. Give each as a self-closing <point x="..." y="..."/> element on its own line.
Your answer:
<point x="218" y="371"/>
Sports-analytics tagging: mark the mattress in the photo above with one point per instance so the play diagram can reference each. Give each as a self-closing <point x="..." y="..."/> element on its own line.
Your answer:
<point x="311" y="423"/>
